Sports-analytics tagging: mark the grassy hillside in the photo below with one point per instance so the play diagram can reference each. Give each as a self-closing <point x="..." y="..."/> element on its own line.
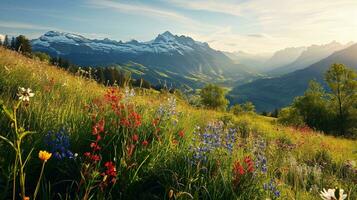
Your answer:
<point x="156" y="146"/>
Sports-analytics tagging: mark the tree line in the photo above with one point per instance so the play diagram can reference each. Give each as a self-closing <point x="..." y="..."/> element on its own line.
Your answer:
<point x="19" y="43"/>
<point x="333" y="111"/>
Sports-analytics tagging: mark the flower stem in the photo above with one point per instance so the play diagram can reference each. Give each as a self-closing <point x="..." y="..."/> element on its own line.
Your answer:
<point x="22" y="174"/>
<point x="39" y="181"/>
<point x="14" y="181"/>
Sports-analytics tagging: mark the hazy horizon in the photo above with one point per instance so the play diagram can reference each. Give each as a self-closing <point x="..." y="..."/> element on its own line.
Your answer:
<point x="257" y="26"/>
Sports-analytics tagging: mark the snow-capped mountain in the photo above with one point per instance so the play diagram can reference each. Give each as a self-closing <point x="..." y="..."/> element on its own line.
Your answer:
<point x="167" y="53"/>
<point x="165" y="43"/>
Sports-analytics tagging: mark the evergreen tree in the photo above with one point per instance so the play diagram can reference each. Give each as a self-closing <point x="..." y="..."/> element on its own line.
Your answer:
<point x="6" y="42"/>
<point x="13" y="44"/>
<point x="22" y="44"/>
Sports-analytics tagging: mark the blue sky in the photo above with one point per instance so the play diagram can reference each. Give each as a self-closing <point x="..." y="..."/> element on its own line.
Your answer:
<point x="254" y="26"/>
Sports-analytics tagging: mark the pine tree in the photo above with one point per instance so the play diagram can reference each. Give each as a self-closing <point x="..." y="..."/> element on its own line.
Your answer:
<point x="22" y="44"/>
<point x="13" y="44"/>
<point x="6" y="42"/>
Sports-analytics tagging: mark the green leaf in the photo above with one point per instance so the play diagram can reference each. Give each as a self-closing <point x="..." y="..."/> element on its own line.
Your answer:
<point x="25" y="134"/>
<point x="7" y="140"/>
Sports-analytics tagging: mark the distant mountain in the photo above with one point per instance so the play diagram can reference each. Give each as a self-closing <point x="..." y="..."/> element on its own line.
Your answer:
<point x="268" y="94"/>
<point x="310" y="56"/>
<point x="253" y="62"/>
<point x="283" y="57"/>
<point x="167" y="54"/>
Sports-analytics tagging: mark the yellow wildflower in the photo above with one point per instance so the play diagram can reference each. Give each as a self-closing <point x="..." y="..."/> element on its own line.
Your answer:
<point x="44" y="155"/>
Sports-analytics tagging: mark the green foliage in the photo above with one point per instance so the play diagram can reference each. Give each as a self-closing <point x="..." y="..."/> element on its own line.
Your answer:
<point x="247" y="107"/>
<point x="343" y="84"/>
<point x="213" y="96"/>
<point x="290" y="116"/>
<point x="22" y="44"/>
<point x="333" y="112"/>
<point x="313" y="107"/>
<point x="44" y="57"/>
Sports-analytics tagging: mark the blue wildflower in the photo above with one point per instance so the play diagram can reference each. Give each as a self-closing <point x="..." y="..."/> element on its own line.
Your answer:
<point x="58" y="144"/>
<point x="272" y="188"/>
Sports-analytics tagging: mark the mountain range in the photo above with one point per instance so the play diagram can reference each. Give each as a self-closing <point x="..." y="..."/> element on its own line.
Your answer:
<point x="178" y="60"/>
<point x="270" y="93"/>
<point x="309" y="56"/>
<point x="269" y="81"/>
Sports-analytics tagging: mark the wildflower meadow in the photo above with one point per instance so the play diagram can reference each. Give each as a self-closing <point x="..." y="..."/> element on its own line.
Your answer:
<point x="66" y="137"/>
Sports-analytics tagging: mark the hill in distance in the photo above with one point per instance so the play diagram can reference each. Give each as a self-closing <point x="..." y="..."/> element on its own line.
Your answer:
<point x="270" y="93"/>
<point x="309" y="56"/>
<point x="282" y="58"/>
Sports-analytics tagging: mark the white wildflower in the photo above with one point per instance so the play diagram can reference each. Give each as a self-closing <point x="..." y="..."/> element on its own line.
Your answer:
<point x="330" y="194"/>
<point x="25" y="94"/>
<point x="129" y="92"/>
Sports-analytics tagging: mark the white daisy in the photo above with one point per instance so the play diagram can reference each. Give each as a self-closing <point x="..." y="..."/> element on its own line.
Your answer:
<point x="25" y="94"/>
<point x="330" y="194"/>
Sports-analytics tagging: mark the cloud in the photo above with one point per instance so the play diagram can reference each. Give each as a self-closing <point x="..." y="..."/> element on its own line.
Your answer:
<point x="26" y="26"/>
<point x="230" y="8"/>
<point x="256" y="35"/>
<point x="281" y="23"/>
<point x="151" y="11"/>
<point x="139" y="9"/>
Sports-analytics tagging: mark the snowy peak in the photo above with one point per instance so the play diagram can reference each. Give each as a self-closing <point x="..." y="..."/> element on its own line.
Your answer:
<point x="166" y="42"/>
<point x="165" y="37"/>
<point x="56" y="36"/>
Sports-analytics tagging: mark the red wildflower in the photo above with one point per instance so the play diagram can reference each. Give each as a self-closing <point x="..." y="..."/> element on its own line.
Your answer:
<point x="135" y="137"/>
<point x="101" y="125"/>
<point x="98" y="127"/>
<point x="145" y="143"/>
<point x="111" y="170"/>
<point x="87" y="154"/>
<point x="238" y="168"/>
<point x="95" y="158"/>
<point x="181" y="133"/>
<point x="94" y="130"/>
<point x="95" y="146"/>
<point x="98" y="138"/>
<point x="135" y="119"/>
<point x="250" y="164"/>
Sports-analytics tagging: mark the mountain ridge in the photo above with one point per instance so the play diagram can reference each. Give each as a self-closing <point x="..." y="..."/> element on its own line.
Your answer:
<point x="270" y="93"/>
<point x="167" y="52"/>
<point x="309" y="56"/>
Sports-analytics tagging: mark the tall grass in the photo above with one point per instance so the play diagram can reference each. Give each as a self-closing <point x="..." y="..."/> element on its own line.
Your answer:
<point x="301" y="162"/>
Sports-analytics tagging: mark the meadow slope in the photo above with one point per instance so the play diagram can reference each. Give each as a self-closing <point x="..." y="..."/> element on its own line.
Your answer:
<point x="165" y="156"/>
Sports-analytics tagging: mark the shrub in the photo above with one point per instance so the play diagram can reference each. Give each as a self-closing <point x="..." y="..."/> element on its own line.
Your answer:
<point x="290" y="116"/>
<point x="213" y="96"/>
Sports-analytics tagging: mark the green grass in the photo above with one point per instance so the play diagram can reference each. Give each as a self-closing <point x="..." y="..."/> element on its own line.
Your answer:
<point x="64" y="100"/>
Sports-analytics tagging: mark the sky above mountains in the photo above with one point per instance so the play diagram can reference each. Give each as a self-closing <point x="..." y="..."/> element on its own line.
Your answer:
<point x="254" y="26"/>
